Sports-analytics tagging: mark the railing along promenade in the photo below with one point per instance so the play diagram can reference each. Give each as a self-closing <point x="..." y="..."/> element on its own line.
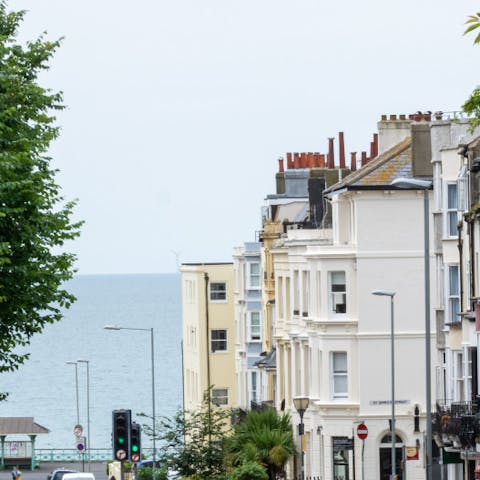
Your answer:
<point x="72" y="455"/>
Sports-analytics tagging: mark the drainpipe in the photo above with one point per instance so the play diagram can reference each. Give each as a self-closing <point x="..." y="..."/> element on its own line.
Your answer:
<point x="460" y="254"/>
<point x="472" y="258"/>
<point x="209" y="391"/>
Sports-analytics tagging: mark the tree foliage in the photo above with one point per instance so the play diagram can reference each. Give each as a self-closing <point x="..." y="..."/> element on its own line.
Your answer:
<point x="249" y="471"/>
<point x="34" y="218"/>
<point x="193" y="442"/>
<point x="472" y="105"/>
<point x="264" y="437"/>
<point x="473" y="23"/>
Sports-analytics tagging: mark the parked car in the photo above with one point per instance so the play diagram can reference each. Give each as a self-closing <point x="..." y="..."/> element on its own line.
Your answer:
<point x="79" y="476"/>
<point x="148" y="463"/>
<point x="59" y="473"/>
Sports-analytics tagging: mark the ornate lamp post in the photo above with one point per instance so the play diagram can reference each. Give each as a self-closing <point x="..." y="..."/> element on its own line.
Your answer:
<point x="301" y="405"/>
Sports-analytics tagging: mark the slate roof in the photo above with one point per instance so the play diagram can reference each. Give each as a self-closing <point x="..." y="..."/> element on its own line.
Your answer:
<point x="379" y="172"/>
<point x="20" y="425"/>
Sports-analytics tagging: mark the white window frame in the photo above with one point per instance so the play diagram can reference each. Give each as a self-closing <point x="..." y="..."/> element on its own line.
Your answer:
<point x="338" y="374"/>
<point x="255" y="285"/>
<point x="453" y="295"/>
<point x="218" y="292"/>
<point x="254" y="386"/>
<point x="333" y="294"/>
<point x="218" y="340"/>
<point x="251" y="329"/>
<point x="220" y="394"/>
<point x="459" y="377"/>
<point x="463" y="190"/>
<point x="451" y="211"/>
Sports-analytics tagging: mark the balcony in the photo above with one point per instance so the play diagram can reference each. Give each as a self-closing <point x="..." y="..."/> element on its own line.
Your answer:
<point x="456" y="424"/>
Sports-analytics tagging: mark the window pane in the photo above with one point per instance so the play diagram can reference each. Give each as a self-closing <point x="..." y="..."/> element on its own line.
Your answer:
<point x="452" y="196"/>
<point x="453" y="274"/>
<point x="340" y="362"/>
<point x="338" y="278"/>
<point x="454" y="309"/>
<point x="340" y="384"/>
<point x="218" y="291"/>
<point x="219" y="334"/>
<point x="255" y="326"/>
<point x="452" y="224"/>
<point x="218" y="340"/>
<point x="220" y="396"/>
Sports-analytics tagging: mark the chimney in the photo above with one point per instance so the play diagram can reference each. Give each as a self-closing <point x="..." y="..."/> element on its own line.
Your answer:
<point x="303" y="160"/>
<point x="322" y="160"/>
<point x="364" y="159"/>
<point x="331" y="155"/>
<point x="353" y="161"/>
<point x="341" y="149"/>
<point x="316" y="186"/>
<point x="375" y="141"/>
<point x="421" y="150"/>
<point x="280" y="165"/>
<point x="391" y="131"/>
<point x="289" y="160"/>
<point x="296" y="160"/>
<point x="310" y="161"/>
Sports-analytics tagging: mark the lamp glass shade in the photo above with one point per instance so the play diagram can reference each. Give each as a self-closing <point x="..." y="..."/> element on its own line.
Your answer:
<point x="300" y="403"/>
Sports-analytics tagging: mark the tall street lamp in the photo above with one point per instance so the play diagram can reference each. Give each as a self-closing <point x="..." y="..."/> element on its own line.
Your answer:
<point x="116" y="327"/>
<point x="76" y="388"/>
<point x="301" y="404"/>
<point x="425" y="185"/>
<point x="87" y="362"/>
<point x="384" y="293"/>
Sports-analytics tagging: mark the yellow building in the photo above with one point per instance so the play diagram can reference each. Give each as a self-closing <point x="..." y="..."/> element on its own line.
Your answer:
<point x="208" y="334"/>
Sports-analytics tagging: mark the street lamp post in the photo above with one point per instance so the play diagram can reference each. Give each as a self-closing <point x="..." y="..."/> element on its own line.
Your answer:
<point x="87" y="362"/>
<point x="76" y="388"/>
<point x="384" y="293"/>
<point x="425" y="185"/>
<point x="116" y="327"/>
<point x="301" y="404"/>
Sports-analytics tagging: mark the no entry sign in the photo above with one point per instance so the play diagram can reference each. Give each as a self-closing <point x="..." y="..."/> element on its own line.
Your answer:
<point x="362" y="431"/>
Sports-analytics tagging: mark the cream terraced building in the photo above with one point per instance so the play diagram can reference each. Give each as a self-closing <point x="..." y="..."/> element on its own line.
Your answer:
<point x="208" y="347"/>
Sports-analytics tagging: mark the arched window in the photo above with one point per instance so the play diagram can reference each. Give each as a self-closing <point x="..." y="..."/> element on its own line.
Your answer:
<point x="388" y="439"/>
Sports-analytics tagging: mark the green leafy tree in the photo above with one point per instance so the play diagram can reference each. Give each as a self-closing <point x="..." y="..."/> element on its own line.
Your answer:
<point x="472" y="105"/>
<point x="146" y="473"/>
<point x="473" y="23"/>
<point x="249" y="471"/>
<point x="264" y="437"/>
<point x="34" y="218"/>
<point x="193" y="442"/>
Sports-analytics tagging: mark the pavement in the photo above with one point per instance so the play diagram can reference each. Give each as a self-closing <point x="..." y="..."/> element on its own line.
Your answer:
<point x="99" y="469"/>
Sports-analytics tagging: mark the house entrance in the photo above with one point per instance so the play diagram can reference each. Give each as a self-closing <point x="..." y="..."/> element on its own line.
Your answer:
<point x="385" y="453"/>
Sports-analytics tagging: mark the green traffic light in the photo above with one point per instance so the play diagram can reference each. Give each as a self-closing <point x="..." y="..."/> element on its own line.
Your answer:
<point x="134" y="448"/>
<point x="121" y="440"/>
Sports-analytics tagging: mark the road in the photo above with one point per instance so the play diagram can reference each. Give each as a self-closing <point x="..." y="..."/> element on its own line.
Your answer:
<point x="99" y="469"/>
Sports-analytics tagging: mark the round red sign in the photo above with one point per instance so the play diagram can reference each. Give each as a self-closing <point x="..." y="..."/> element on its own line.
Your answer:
<point x="362" y="431"/>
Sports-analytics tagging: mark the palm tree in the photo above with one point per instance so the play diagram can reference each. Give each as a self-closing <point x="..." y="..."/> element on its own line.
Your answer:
<point x="265" y="437"/>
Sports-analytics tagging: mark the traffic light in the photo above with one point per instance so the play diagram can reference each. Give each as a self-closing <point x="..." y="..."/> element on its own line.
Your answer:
<point x="121" y="420"/>
<point x="135" y="442"/>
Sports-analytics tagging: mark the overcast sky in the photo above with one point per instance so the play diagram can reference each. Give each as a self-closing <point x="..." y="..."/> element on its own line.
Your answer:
<point x="178" y="110"/>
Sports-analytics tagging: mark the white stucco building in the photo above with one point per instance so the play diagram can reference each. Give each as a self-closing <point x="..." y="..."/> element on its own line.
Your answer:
<point x="333" y="336"/>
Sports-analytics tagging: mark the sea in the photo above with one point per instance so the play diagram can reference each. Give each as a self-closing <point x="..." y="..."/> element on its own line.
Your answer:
<point x="119" y="361"/>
